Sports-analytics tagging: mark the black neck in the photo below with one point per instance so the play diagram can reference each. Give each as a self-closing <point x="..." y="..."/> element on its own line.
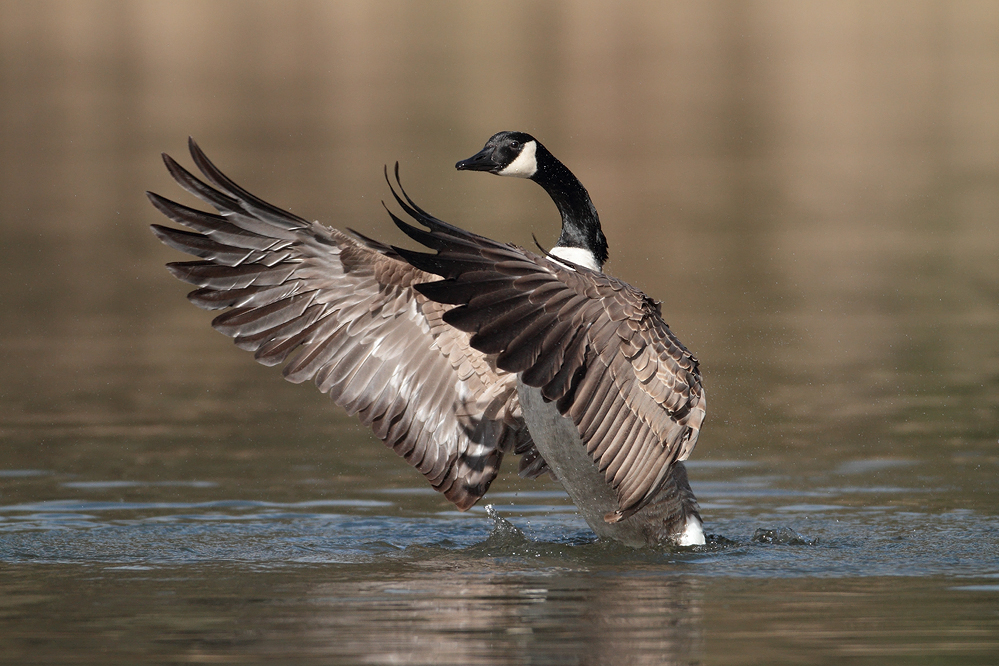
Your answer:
<point x="580" y="222"/>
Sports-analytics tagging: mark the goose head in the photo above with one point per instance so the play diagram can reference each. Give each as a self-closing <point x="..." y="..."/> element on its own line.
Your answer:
<point x="506" y="154"/>
<point x="520" y="155"/>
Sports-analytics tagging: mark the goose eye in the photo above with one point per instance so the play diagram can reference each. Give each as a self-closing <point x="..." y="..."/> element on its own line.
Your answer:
<point x="515" y="144"/>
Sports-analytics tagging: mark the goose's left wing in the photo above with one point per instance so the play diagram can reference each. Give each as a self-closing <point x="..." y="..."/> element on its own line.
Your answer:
<point x="340" y="310"/>
<point x="590" y="342"/>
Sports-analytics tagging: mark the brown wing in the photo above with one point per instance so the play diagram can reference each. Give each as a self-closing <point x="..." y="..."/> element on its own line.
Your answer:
<point x="341" y="310"/>
<point x="594" y="344"/>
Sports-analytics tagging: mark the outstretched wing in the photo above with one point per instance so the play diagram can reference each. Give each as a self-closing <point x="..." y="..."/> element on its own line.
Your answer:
<point x="590" y="342"/>
<point x="340" y="310"/>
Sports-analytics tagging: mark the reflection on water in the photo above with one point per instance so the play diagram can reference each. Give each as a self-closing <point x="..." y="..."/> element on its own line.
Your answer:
<point x="461" y="616"/>
<point x="503" y="617"/>
<point x="811" y="190"/>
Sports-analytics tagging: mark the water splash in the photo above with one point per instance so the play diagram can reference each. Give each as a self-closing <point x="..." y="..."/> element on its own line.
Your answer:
<point x="782" y="536"/>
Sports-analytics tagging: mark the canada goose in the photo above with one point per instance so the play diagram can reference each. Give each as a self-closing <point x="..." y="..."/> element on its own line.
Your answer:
<point x="512" y="352"/>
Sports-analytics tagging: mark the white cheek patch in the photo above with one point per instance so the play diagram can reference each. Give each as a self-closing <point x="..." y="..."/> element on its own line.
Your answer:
<point x="526" y="164"/>
<point x="576" y="255"/>
<point x="693" y="535"/>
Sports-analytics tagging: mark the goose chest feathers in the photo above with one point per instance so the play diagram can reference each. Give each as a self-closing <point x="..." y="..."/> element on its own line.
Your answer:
<point x="470" y="351"/>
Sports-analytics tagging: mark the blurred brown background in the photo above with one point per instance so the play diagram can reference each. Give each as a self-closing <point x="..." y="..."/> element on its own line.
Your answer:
<point x="812" y="188"/>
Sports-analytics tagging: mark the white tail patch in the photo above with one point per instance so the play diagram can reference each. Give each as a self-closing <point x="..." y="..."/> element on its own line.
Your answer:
<point x="693" y="533"/>
<point x="577" y="255"/>
<point x="526" y="164"/>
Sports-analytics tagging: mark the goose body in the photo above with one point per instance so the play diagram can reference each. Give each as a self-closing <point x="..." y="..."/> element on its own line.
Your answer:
<point x="458" y="357"/>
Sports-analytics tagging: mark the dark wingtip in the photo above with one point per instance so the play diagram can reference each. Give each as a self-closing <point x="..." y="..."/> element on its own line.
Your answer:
<point x="538" y="243"/>
<point x="195" y="150"/>
<point x="169" y="162"/>
<point x="157" y="230"/>
<point x="409" y="210"/>
<point x="160" y="203"/>
<point x="419" y="235"/>
<point x="176" y="171"/>
<point x="428" y="263"/>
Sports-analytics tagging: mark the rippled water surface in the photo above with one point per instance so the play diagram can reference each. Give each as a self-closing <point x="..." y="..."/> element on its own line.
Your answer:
<point x="810" y="189"/>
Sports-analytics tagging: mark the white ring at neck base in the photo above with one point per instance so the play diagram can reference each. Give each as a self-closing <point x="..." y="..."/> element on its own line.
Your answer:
<point x="576" y="255"/>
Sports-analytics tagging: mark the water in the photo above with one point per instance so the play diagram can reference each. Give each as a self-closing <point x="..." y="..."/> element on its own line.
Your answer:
<point x="810" y="190"/>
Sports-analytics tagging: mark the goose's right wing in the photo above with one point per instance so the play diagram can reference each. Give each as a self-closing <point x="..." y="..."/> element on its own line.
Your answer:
<point x="594" y="345"/>
<point x="343" y="309"/>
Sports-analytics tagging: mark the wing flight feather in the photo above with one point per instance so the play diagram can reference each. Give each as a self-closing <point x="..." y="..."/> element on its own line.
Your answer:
<point x="340" y="309"/>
